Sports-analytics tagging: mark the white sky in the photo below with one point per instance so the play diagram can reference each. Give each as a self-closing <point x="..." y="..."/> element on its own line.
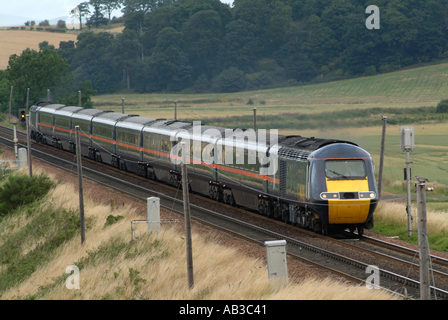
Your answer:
<point x="45" y="9"/>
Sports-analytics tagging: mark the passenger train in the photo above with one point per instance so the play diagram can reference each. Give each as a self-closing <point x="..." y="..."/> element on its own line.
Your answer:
<point x="313" y="183"/>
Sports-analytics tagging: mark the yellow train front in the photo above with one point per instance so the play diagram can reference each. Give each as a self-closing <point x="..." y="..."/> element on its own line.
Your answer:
<point x="343" y="191"/>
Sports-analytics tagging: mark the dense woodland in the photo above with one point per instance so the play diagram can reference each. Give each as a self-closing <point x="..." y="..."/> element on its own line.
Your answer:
<point x="207" y="46"/>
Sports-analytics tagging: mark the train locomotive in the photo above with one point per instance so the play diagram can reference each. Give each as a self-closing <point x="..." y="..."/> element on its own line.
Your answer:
<point x="313" y="183"/>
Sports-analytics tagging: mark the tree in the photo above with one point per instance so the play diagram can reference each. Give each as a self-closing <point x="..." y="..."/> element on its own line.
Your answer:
<point x="124" y="51"/>
<point x="239" y="46"/>
<point x="90" y="61"/>
<point x="442" y="106"/>
<point x="106" y="6"/>
<point x="157" y="20"/>
<point x="144" y="6"/>
<point x="255" y="12"/>
<point x="97" y="17"/>
<point x="44" y="23"/>
<point x="82" y="10"/>
<point x="61" y="24"/>
<point x="202" y="33"/>
<point x="39" y="71"/>
<point x="168" y="65"/>
<point x="71" y="96"/>
<point x="230" y="80"/>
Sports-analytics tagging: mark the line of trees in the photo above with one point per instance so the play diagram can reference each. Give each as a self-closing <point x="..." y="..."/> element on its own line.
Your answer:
<point x="207" y="46"/>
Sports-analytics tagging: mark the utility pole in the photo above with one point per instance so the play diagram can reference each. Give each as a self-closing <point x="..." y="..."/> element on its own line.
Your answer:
<point x="27" y="99"/>
<point x="122" y="105"/>
<point x="408" y="188"/>
<point x="175" y="109"/>
<point x="16" y="141"/>
<point x="81" y="197"/>
<point x="407" y="144"/>
<point x="423" y="245"/>
<point x="48" y="95"/>
<point x="380" y="174"/>
<point x="79" y="98"/>
<point x="28" y="143"/>
<point x="10" y="104"/>
<point x="255" y="120"/>
<point x="187" y="218"/>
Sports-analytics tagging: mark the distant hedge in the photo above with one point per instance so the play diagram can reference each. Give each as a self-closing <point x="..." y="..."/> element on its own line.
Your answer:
<point x="442" y="106"/>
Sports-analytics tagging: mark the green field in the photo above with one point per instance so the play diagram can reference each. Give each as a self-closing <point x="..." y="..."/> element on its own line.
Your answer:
<point x="417" y="87"/>
<point x="328" y="110"/>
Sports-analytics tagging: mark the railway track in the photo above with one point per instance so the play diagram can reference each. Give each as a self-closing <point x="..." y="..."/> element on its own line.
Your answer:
<point x="343" y="258"/>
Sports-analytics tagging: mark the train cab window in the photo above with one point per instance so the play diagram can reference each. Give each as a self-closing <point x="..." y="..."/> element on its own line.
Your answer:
<point x="345" y="169"/>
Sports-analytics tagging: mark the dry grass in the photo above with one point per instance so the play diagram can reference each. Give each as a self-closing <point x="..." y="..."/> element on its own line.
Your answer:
<point x="395" y="213"/>
<point x="159" y="257"/>
<point x="15" y="41"/>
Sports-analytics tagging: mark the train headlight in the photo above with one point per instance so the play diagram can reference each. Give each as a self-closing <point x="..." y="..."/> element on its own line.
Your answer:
<point x="367" y="195"/>
<point x="329" y="195"/>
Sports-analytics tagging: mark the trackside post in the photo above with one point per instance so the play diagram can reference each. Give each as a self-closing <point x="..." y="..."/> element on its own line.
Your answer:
<point x="81" y="197"/>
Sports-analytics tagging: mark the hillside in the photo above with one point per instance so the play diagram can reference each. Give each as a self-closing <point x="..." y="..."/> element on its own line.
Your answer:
<point x="419" y="86"/>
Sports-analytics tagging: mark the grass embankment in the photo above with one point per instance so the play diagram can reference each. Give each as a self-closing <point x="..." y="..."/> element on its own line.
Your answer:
<point x="39" y="241"/>
<point x="424" y="86"/>
<point x="391" y="220"/>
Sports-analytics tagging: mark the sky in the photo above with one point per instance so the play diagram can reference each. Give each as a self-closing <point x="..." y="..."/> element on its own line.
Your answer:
<point x="42" y="9"/>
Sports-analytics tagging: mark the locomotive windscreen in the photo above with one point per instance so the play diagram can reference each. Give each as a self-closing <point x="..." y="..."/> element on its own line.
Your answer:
<point x="345" y="169"/>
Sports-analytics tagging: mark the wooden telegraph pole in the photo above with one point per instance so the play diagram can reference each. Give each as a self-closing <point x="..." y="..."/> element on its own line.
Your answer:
<point x="255" y="120"/>
<point x="81" y="197"/>
<point x="423" y="246"/>
<point x="28" y="143"/>
<point x="407" y="144"/>
<point x="380" y="174"/>
<point x="187" y="218"/>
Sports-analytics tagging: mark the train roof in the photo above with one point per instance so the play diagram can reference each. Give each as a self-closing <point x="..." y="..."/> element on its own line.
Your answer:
<point x="110" y="118"/>
<point x="87" y="114"/>
<point x="167" y="127"/>
<point x="50" y="108"/>
<point x="340" y="151"/>
<point x="135" y="123"/>
<point x="67" y="111"/>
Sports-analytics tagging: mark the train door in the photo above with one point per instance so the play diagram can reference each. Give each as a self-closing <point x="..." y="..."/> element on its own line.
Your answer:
<point x="282" y="178"/>
<point x="308" y="179"/>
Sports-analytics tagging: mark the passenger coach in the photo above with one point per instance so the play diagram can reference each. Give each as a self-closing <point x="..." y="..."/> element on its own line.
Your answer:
<point x="314" y="183"/>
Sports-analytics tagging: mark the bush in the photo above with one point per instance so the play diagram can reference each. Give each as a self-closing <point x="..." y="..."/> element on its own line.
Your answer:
<point x="111" y="219"/>
<point x="442" y="106"/>
<point x="230" y="80"/>
<point x="19" y="189"/>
